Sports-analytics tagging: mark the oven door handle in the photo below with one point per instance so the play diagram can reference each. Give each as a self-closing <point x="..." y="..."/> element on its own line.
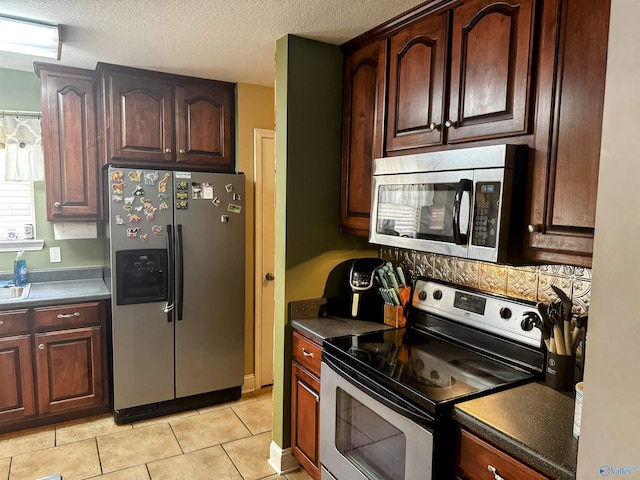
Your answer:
<point x="465" y="185"/>
<point x="380" y="394"/>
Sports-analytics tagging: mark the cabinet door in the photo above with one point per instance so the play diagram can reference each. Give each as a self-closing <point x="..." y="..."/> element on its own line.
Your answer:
<point x="69" y="370"/>
<point x="205" y="118"/>
<point x="491" y="47"/>
<point x="572" y="70"/>
<point x="16" y="392"/>
<point x="142" y="113"/>
<point x="305" y="419"/>
<point x="362" y="134"/>
<point x="69" y="138"/>
<point x="416" y="84"/>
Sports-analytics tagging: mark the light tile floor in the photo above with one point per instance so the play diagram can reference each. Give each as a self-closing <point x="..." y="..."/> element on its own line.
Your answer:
<point x="227" y="441"/>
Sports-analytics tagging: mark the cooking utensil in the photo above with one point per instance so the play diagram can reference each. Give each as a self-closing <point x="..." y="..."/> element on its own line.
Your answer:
<point x="567" y="306"/>
<point x="554" y="310"/>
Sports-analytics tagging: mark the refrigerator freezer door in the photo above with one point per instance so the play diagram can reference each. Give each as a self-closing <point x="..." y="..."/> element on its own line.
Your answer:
<point x="140" y="208"/>
<point x="142" y="356"/>
<point x="209" y="341"/>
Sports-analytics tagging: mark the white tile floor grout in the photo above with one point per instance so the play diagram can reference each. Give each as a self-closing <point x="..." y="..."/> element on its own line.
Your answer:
<point x="228" y="441"/>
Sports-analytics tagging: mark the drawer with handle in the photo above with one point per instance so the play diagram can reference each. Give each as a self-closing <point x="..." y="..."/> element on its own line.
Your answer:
<point x="14" y="322"/>
<point x="307" y="353"/>
<point x="480" y="460"/>
<point x="68" y="316"/>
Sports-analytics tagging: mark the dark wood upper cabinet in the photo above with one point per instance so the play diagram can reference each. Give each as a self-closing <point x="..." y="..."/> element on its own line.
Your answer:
<point x="69" y="141"/>
<point x="204" y="118"/>
<point x="362" y="132"/>
<point x="491" y="49"/>
<point x="417" y="69"/>
<point x="162" y="120"/>
<point x="140" y="115"/>
<point x="564" y="173"/>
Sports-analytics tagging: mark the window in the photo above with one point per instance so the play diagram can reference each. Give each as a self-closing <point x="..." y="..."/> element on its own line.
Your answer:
<point x="16" y="210"/>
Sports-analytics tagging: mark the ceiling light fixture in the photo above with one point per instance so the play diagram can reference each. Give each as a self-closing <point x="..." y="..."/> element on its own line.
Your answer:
<point x="30" y="37"/>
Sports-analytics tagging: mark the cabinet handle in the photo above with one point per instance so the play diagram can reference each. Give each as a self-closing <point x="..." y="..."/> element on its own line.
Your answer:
<point x="167" y="150"/>
<point x="183" y="151"/>
<point x="307" y="354"/>
<point x="494" y="470"/>
<point x="435" y="126"/>
<point x="41" y="346"/>
<point x="57" y="204"/>
<point x="450" y="124"/>
<point x="68" y="315"/>
<point x="315" y="395"/>
<point x="1" y="322"/>
<point x="534" y="228"/>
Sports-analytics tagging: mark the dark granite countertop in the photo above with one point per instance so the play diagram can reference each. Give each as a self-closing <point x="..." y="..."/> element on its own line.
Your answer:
<point x="62" y="287"/>
<point x="320" y="328"/>
<point x="309" y="317"/>
<point x="533" y="422"/>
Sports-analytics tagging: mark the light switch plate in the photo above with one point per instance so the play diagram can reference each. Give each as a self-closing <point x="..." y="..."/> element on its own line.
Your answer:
<point x="54" y="255"/>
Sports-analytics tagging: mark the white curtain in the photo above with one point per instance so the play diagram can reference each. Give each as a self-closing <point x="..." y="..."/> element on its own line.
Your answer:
<point x="21" y="155"/>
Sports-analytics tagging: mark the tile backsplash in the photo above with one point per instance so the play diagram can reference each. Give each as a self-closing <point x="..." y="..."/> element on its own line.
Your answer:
<point x="525" y="282"/>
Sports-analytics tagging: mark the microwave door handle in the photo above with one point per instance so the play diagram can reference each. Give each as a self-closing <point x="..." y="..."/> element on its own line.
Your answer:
<point x="464" y="185"/>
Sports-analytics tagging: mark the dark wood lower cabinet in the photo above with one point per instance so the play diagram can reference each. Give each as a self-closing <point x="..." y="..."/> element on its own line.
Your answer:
<point x="52" y="365"/>
<point x="68" y="370"/>
<point x="16" y="390"/>
<point x="305" y="419"/>
<point x="479" y="460"/>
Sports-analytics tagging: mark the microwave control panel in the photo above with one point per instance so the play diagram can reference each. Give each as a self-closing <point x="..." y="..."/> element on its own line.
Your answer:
<point x="486" y="214"/>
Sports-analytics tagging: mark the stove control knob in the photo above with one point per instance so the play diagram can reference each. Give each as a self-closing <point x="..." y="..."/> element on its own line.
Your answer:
<point x="422" y="295"/>
<point x="437" y="294"/>
<point x="505" y="313"/>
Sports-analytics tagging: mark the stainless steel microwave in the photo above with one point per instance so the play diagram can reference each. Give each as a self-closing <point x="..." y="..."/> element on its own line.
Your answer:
<point x="465" y="203"/>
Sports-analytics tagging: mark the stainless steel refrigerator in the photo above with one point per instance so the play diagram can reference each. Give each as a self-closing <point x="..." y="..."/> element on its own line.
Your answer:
<point x="176" y="246"/>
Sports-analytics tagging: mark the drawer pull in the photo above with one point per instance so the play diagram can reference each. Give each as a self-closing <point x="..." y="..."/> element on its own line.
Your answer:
<point x="307" y="354"/>
<point x="315" y="395"/>
<point x="1" y="322"/>
<point x="494" y="470"/>
<point x="68" y="315"/>
<point x="41" y="346"/>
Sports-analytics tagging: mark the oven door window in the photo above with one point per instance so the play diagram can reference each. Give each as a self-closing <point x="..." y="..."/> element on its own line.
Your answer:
<point x="372" y="444"/>
<point x="421" y="210"/>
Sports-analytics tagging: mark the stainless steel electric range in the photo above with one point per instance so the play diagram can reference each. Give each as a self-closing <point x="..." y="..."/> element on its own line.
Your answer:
<point x="387" y="396"/>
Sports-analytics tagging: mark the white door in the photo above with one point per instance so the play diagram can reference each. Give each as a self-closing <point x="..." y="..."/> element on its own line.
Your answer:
<point x="265" y="175"/>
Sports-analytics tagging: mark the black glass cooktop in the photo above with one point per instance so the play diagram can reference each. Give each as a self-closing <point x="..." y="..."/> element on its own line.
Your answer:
<point x="434" y="369"/>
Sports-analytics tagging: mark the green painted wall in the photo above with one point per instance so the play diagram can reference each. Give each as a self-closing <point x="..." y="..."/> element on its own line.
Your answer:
<point x="308" y="151"/>
<point x="21" y="91"/>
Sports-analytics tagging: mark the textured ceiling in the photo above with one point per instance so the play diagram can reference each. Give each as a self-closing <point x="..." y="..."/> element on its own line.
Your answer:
<point x="231" y="40"/>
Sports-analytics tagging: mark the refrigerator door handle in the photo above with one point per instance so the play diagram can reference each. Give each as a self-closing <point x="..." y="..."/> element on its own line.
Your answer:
<point x="170" y="275"/>
<point x="180" y="289"/>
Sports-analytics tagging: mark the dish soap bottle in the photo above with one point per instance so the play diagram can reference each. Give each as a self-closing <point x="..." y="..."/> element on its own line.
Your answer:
<point x="20" y="270"/>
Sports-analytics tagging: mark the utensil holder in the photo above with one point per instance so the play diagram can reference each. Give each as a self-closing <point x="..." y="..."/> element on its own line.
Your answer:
<point x="394" y="316"/>
<point x="559" y="372"/>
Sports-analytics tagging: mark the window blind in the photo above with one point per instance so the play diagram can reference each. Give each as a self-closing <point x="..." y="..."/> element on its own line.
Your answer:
<point x="16" y="208"/>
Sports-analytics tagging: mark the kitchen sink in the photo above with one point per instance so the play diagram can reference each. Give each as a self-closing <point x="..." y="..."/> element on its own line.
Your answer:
<point x="11" y="294"/>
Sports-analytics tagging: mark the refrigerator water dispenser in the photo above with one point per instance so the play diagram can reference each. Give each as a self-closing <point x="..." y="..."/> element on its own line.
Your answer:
<point x="141" y="276"/>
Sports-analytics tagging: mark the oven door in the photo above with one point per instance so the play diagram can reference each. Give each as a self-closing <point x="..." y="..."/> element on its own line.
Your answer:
<point x="423" y="211"/>
<point x="370" y="434"/>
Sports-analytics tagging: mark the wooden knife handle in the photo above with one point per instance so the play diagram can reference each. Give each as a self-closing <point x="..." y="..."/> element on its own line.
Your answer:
<point x="557" y="335"/>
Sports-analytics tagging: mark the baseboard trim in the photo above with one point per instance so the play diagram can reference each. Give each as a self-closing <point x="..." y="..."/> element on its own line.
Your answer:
<point x="249" y="383"/>
<point x="282" y="461"/>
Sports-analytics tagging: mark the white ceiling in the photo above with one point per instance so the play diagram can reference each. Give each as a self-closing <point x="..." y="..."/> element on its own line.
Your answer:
<point x="231" y="40"/>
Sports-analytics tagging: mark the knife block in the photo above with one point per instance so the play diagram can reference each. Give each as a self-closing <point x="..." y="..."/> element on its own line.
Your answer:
<point x="559" y="372"/>
<point x="394" y="316"/>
